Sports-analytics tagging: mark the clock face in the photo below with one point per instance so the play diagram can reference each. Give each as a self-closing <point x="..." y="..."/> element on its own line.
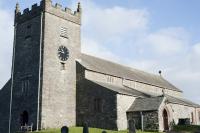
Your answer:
<point x="63" y="53"/>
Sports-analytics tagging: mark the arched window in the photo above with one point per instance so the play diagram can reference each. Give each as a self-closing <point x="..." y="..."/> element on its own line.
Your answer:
<point x="24" y="118"/>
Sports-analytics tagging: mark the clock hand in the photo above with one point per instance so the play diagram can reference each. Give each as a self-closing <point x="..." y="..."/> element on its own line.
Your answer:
<point x="63" y="51"/>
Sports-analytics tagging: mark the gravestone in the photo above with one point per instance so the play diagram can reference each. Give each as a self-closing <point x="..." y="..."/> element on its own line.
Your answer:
<point x="64" y="129"/>
<point x="85" y="128"/>
<point x="104" y="132"/>
<point x="131" y="124"/>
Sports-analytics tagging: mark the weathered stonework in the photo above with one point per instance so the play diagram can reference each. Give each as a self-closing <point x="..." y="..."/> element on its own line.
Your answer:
<point x="150" y="120"/>
<point x="59" y="86"/>
<point x="87" y="92"/>
<point x="120" y="81"/>
<point x="5" y="107"/>
<point x="26" y="71"/>
<point x="123" y="104"/>
<point x="39" y="86"/>
<point x="176" y="112"/>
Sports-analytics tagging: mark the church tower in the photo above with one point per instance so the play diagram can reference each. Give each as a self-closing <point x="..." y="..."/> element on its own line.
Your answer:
<point x="46" y="45"/>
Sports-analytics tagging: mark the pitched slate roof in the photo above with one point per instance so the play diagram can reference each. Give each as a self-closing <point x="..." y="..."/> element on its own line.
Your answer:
<point x="181" y="101"/>
<point x="146" y="104"/>
<point x="153" y="103"/>
<point x="110" y="68"/>
<point x="121" y="89"/>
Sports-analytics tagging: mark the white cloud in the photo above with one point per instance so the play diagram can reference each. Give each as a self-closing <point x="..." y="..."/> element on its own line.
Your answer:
<point x="169" y="41"/>
<point x="196" y="49"/>
<point x="91" y="47"/>
<point x="115" y="21"/>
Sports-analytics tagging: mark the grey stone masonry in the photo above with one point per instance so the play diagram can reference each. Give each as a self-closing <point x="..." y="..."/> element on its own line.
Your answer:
<point x="47" y="6"/>
<point x="58" y="86"/>
<point x="26" y="71"/>
<point x="87" y="91"/>
<point x="105" y="116"/>
<point x="41" y="87"/>
<point x="4" y="107"/>
<point x="150" y="120"/>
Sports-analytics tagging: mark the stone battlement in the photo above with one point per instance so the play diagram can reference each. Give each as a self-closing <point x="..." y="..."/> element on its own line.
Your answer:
<point x="47" y="6"/>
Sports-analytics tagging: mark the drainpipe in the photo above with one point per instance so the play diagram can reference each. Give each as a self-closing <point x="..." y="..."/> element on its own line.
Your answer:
<point x="142" y="121"/>
<point x="40" y="65"/>
<point x="12" y="78"/>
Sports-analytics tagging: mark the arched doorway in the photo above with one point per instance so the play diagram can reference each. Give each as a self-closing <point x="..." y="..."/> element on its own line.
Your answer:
<point x="165" y="120"/>
<point x="24" y="118"/>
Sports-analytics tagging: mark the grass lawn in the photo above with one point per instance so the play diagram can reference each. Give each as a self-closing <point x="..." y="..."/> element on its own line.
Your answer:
<point x="79" y="130"/>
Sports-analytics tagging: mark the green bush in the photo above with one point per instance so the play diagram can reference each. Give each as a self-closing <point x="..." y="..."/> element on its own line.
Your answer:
<point x="189" y="128"/>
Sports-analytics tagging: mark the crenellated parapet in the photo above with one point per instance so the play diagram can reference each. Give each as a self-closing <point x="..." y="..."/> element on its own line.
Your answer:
<point x="47" y="7"/>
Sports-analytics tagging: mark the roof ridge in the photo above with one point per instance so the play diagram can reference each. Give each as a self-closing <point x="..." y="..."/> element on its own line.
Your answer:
<point x="128" y="67"/>
<point x="125" y="72"/>
<point x="186" y="101"/>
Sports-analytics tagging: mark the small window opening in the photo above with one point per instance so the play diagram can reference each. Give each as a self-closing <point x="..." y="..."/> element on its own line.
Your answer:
<point x="28" y="37"/>
<point x="64" y="32"/>
<point x="98" y="105"/>
<point x="29" y="26"/>
<point x="25" y="86"/>
<point x="110" y="79"/>
<point x="62" y="66"/>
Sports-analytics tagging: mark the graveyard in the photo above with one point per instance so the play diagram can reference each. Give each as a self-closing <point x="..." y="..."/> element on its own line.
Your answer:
<point x="80" y="130"/>
<point x="177" y="129"/>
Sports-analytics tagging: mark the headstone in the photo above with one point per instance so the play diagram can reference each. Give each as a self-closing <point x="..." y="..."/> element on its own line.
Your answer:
<point x="64" y="129"/>
<point x="85" y="128"/>
<point x="131" y="124"/>
<point x="104" y="132"/>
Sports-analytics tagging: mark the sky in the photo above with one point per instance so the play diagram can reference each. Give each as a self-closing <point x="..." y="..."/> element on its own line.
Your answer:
<point x="149" y="35"/>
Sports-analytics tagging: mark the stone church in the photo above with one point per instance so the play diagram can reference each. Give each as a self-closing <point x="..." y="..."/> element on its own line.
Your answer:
<point x="53" y="84"/>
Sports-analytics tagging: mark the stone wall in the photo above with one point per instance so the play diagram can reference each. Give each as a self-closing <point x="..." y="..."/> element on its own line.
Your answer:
<point x="150" y="120"/>
<point x="176" y="112"/>
<point x="5" y="107"/>
<point x="36" y="66"/>
<point x="123" y="104"/>
<point x="26" y="71"/>
<point x="136" y="116"/>
<point x="87" y="92"/>
<point x="58" y="102"/>
<point x="198" y="116"/>
<point x="182" y="111"/>
<point x="119" y="81"/>
<point x="47" y="6"/>
<point x="100" y="77"/>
